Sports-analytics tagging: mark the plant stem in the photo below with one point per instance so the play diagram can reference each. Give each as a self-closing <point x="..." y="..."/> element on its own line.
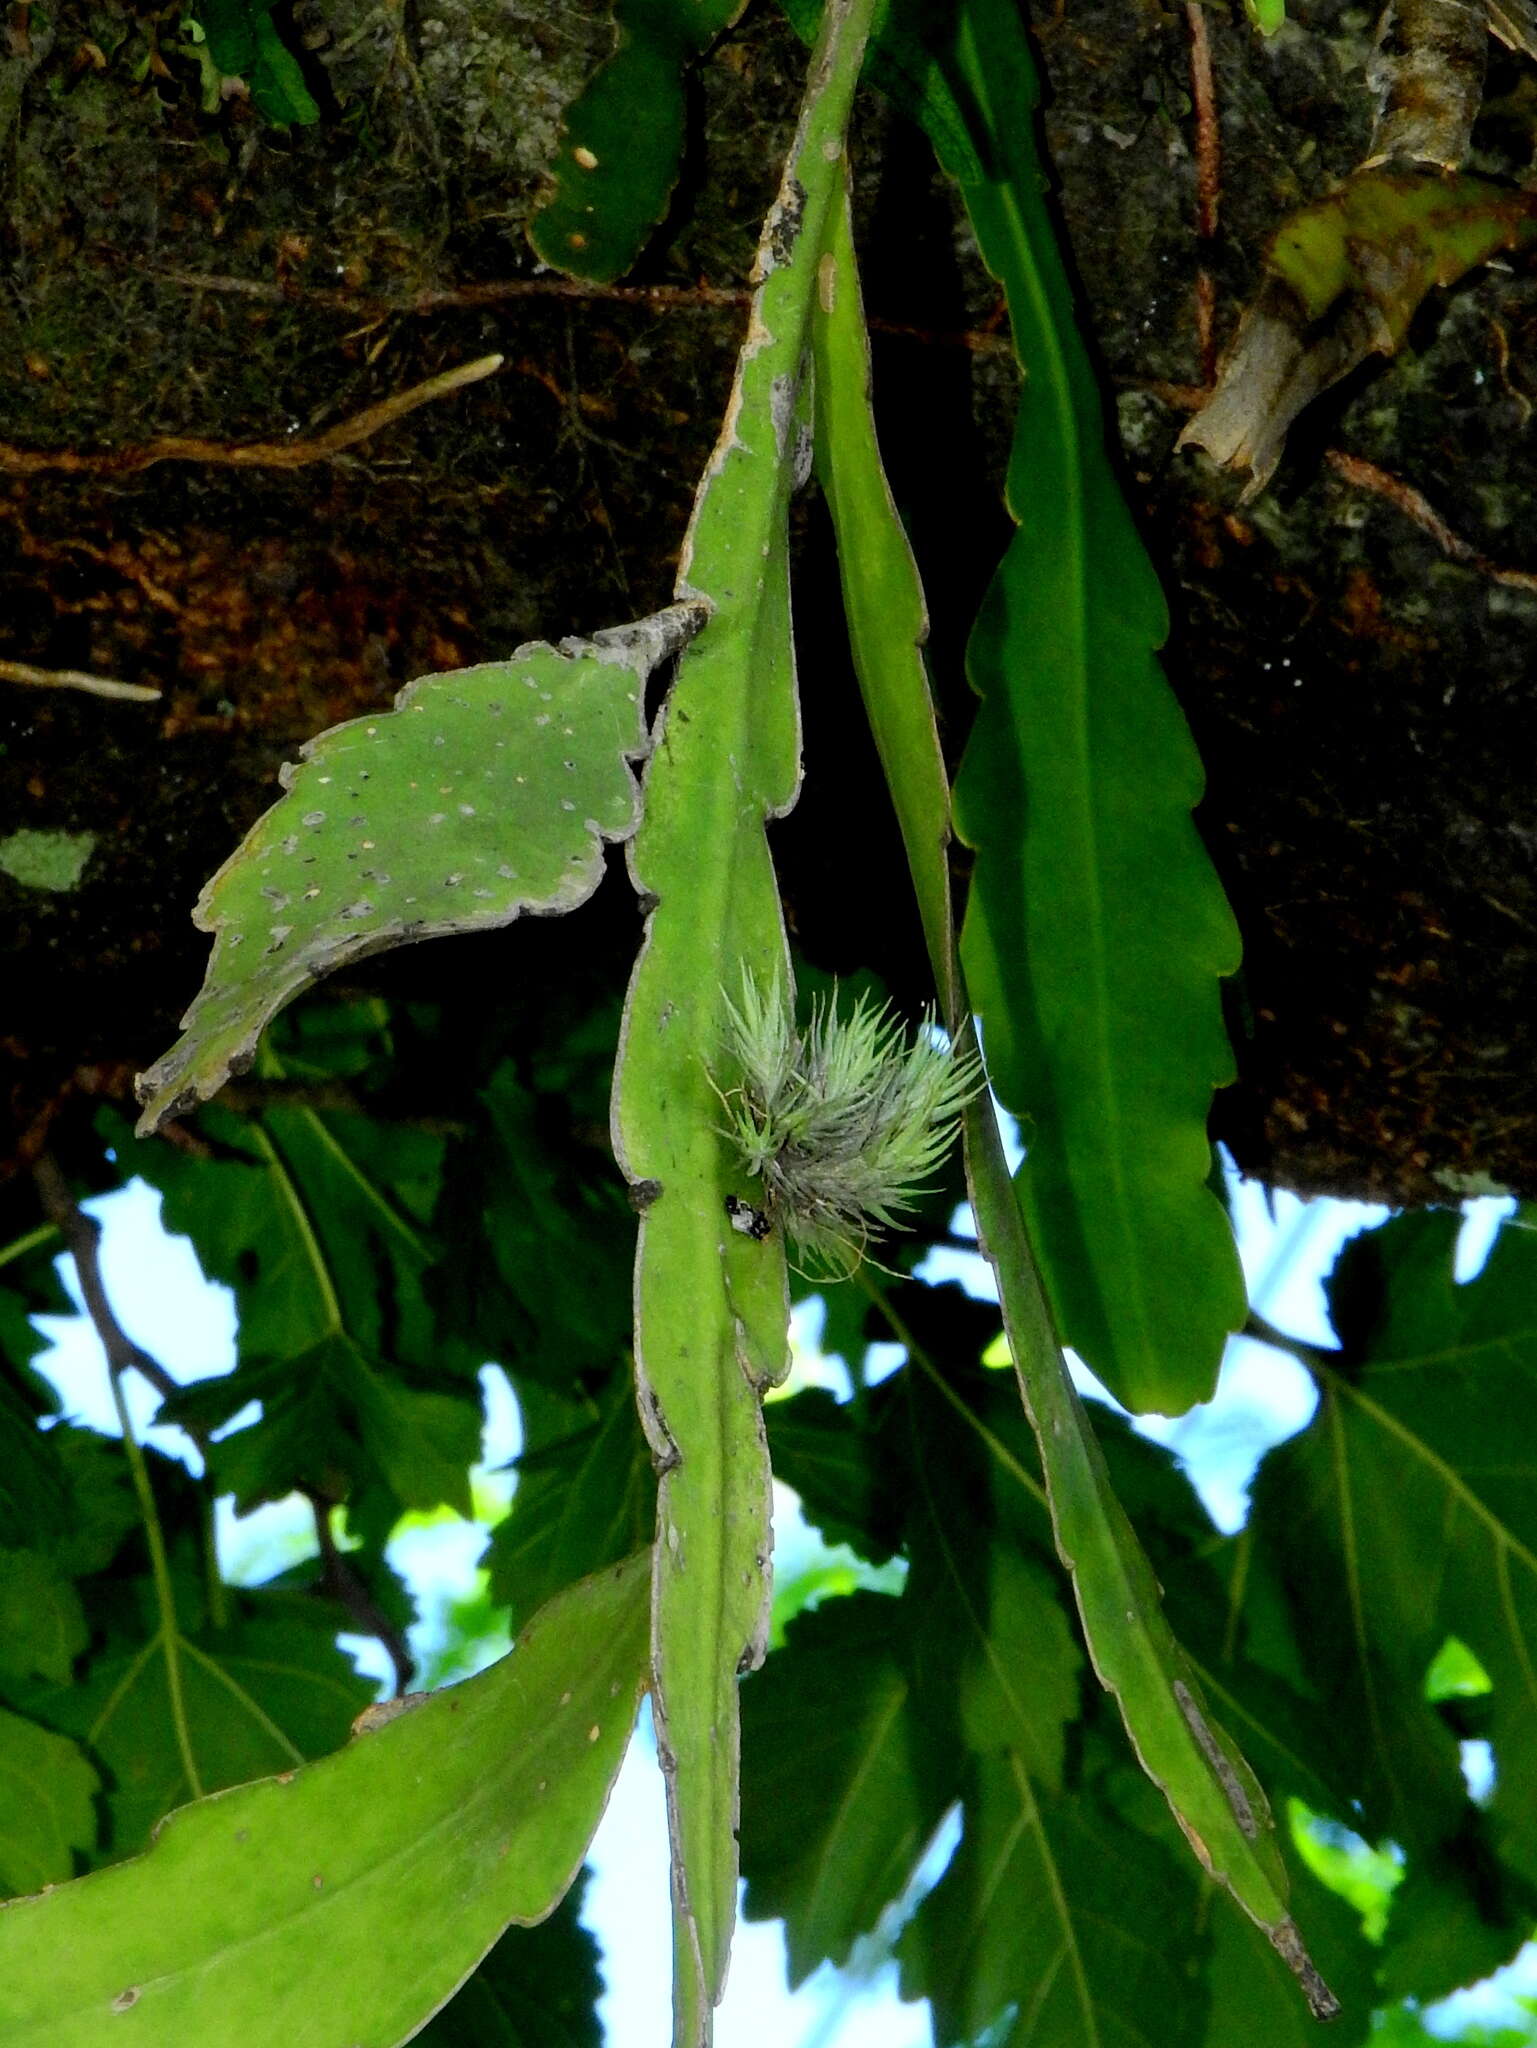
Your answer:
<point x="82" y="1235"/>
<point x="165" y="1598"/>
<point x="919" y="1357"/>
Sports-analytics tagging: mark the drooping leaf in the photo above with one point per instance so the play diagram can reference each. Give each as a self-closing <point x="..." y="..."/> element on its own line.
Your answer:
<point x="621" y="147"/>
<point x="1253" y="1996"/>
<point x="1096" y="931"/>
<point x="342" y="1904"/>
<point x="1056" y="1912"/>
<point x="883" y="601"/>
<point x="586" y="1495"/>
<point x="1210" y="1789"/>
<point x="1344" y="277"/>
<point x="47" y="1806"/>
<point x="900" y="63"/>
<point x="485" y="793"/>
<point x="711" y="1308"/>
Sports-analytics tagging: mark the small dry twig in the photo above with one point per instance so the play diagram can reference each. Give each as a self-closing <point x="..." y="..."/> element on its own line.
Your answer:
<point x="82" y="1240"/>
<point x="1414" y="505"/>
<point x="1208" y="181"/>
<point x="250" y="454"/>
<point x="340" y="1578"/>
<point x="76" y="679"/>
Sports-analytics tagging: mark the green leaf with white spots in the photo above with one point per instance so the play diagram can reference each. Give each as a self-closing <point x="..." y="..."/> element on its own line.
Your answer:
<point x="621" y="146"/>
<point x="711" y="1307"/>
<point x="485" y="793"/>
<point x="340" y="1905"/>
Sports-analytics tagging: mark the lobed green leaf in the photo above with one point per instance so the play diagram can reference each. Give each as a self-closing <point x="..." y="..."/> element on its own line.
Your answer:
<point x="484" y="793"/>
<point x="1096" y="931"/>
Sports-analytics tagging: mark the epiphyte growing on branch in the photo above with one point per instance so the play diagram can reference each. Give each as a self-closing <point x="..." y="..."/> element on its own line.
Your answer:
<point x="844" y="1121"/>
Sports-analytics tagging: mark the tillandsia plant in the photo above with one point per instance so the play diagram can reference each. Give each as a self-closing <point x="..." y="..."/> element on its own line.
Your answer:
<point x="843" y="1122"/>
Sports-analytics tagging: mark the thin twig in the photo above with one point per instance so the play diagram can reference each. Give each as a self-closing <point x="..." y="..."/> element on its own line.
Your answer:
<point x="82" y="1235"/>
<point x="1414" y="505"/>
<point x="445" y="298"/>
<point x="1208" y="180"/>
<point x="659" y="298"/>
<point x="1315" y="1357"/>
<point x="82" y="1240"/>
<point x="250" y="454"/>
<point x="341" y="1579"/>
<point x="1208" y="134"/>
<point x="76" y="679"/>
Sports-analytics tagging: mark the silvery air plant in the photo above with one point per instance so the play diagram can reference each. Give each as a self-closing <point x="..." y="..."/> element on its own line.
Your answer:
<point x="842" y="1122"/>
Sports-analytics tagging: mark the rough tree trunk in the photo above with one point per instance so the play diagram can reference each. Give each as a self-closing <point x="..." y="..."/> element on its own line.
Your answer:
<point x="1359" y="691"/>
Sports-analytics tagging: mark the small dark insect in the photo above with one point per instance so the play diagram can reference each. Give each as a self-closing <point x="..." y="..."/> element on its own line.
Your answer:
<point x="745" y="1218"/>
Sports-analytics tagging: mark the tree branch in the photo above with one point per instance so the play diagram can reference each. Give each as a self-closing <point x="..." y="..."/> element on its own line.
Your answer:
<point x="340" y="1578"/>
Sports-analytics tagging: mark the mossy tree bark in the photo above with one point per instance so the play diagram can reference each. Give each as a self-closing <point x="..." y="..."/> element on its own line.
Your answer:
<point x="1358" y="687"/>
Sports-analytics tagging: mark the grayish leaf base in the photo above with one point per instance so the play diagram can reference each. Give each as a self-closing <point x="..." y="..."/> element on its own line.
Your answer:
<point x="486" y="792"/>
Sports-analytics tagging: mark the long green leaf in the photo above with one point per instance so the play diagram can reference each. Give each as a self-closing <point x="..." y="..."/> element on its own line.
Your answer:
<point x="485" y="793"/>
<point x="888" y="621"/>
<point x="711" y="1306"/>
<point x="1096" y="930"/>
<point x="1210" y="1789"/>
<point x="341" y="1905"/>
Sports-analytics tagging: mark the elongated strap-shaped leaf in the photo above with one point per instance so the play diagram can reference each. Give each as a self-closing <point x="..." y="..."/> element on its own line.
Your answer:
<point x="341" y="1905"/>
<point x="1096" y="930"/>
<point x="484" y="793"/>
<point x="1213" y="1794"/>
<point x="710" y="1305"/>
<point x="883" y="603"/>
<point x="621" y="147"/>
